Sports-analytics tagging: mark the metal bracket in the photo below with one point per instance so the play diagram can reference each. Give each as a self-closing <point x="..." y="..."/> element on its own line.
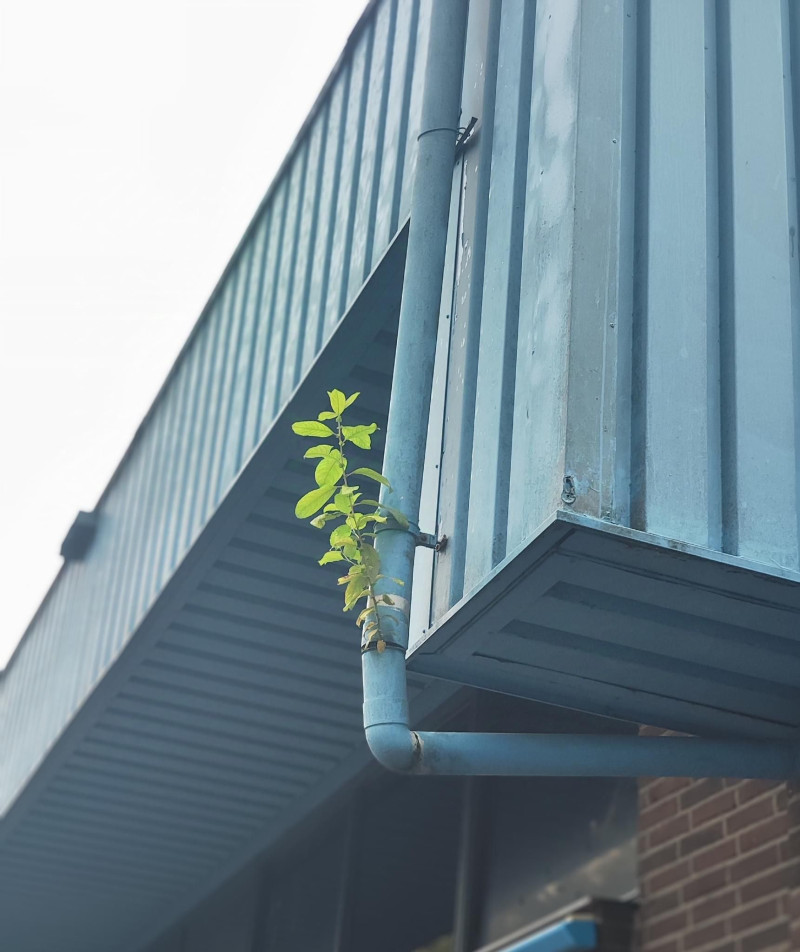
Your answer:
<point x="429" y="541"/>
<point x="464" y="135"/>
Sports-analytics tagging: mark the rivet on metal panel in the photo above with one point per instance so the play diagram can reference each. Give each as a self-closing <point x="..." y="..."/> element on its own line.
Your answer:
<point x="568" y="492"/>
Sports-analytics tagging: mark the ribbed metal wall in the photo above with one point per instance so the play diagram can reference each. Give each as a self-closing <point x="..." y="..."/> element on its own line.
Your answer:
<point x="625" y="283"/>
<point x="326" y="220"/>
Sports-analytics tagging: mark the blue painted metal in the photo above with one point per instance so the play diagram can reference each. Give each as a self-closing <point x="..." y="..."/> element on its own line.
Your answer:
<point x="325" y="223"/>
<point x="386" y="718"/>
<point x="573" y="935"/>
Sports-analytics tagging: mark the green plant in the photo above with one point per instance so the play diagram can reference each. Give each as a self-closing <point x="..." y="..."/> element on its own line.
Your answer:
<point x="338" y="499"/>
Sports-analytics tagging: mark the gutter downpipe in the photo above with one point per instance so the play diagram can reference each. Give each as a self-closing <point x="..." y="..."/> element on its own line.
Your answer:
<point x="386" y="716"/>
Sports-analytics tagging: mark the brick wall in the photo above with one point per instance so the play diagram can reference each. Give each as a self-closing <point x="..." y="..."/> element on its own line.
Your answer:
<point x="718" y="866"/>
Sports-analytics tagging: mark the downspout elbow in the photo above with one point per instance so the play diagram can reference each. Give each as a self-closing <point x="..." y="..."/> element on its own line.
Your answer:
<point x="386" y="723"/>
<point x="394" y="746"/>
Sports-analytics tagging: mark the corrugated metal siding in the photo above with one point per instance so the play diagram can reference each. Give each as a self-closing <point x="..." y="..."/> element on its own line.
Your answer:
<point x="625" y="302"/>
<point x="326" y="221"/>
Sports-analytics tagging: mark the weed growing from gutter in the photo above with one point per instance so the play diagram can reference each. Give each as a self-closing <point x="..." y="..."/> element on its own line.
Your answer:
<point x="337" y="500"/>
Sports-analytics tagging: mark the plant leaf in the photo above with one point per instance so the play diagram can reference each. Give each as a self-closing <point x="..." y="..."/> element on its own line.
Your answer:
<point x="338" y="401"/>
<point x="356" y="588"/>
<point x="326" y="415"/>
<point x="328" y="471"/>
<point x="371" y="559"/>
<point x="360" y="435"/>
<point x="352" y="399"/>
<point x="314" y="501"/>
<point x="318" y="522"/>
<point x="372" y="474"/>
<point x="341" y="535"/>
<point x="399" y="517"/>
<point x="319" y="451"/>
<point x="311" y="428"/>
<point x="343" y="503"/>
<point x="331" y="557"/>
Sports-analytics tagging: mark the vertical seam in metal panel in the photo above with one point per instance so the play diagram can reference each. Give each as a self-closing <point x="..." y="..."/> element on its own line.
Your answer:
<point x="172" y="490"/>
<point x="273" y="294"/>
<point x="213" y="330"/>
<point x="621" y="511"/>
<point x="262" y="267"/>
<point x="379" y="146"/>
<point x="280" y="370"/>
<point x="713" y="237"/>
<point x="727" y="316"/>
<point x="472" y="341"/>
<point x="509" y="371"/>
<point x="202" y="345"/>
<point x="359" y="145"/>
<point x="337" y="174"/>
<point x="214" y="432"/>
<point x="402" y="136"/>
<point x="240" y="318"/>
<point x="792" y="19"/>
<point x="640" y="284"/>
<point x="312" y="240"/>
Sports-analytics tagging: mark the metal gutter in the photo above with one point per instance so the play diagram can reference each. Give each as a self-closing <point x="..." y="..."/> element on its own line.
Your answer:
<point x="386" y="718"/>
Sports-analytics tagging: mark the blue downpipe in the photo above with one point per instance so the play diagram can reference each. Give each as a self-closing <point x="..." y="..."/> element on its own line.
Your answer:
<point x="386" y="716"/>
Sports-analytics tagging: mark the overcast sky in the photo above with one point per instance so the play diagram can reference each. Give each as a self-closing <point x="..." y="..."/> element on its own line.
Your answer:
<point x="136" y="141"/>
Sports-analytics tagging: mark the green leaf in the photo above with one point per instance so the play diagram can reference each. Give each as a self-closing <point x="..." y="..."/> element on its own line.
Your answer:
<point x="326" y="415"/>
<point x="320" y="451"/>
<point x="311" y="428"/>
<point x="399" y="517"/>
<point x="314" y="501"/>
<point x="341" y="535"/>
<point x="331" y="557"/>
<point x="352" y="399"/>
<point x="356" y="589"/>
<point x="372" y="474"/>
<point x="365" y="613"/>
<point x="318" y="522"/>
<point x="360" y="435"/>
<point x="371" y="558"/>
<point x="338" y="401"/>
<point x="352" y="552"/>
<point x="328" y="471"/>
<point x="343" y="503"/>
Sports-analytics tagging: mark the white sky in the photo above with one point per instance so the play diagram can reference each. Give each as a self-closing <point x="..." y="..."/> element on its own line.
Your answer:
<point x="136" y="141"/>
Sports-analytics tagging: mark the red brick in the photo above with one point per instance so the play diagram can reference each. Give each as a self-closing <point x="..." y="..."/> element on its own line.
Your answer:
<point x="662" y="810"/>
<point x="702" y="838"/>
<point x="660" y="857"/>
<point x="723" y="802"/>
<point x="764" y="833"/>
<point x="670" y="830"/>
<point x="700" y="790"/>
<point x="755" y="916"/>
<point x="705" y="884"/>
<point x="713" y="907"/>
<point x="771" y="882"/>
<point x="747" y="816"/>
<point x="659" y="905"/>
<point x="666" y="878"/>
<point x="754" y="863"/>
<point x="721" y="853"/>
<point x="750" y="789"/>
<point x="666" y="926"/>
<point x="671" y="945"/>
<point x="766" y="939"/>
<point x="665" y="787"/>
<point x="704" y="935"/>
